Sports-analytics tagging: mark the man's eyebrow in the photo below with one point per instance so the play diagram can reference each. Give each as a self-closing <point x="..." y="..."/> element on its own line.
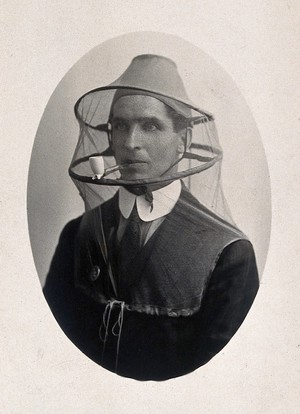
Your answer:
<point x="118" y="118"/>
<point x="153" y="119"/>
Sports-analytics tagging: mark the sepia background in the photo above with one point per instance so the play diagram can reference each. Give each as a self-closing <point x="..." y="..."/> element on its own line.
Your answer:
<point x="257" y="44"/>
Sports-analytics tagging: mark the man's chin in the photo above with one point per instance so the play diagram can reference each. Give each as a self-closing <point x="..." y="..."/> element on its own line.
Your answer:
<point x="134" y="176"/>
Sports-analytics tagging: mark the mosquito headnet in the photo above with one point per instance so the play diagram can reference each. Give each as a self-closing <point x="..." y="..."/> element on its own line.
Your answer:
<point x="199" y="166"/>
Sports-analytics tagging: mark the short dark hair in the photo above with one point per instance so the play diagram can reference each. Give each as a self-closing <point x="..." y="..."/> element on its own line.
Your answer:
<point x="179" y="121"/>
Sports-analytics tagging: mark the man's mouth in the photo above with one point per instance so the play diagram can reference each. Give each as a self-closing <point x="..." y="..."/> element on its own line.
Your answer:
<point x="132" y="162"/>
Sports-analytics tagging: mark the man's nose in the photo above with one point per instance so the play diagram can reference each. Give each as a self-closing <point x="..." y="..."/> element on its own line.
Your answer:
<point x="133" y="138"/>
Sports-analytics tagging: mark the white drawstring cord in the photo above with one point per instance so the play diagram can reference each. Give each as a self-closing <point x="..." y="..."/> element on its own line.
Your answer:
<point x="118" y="324"/>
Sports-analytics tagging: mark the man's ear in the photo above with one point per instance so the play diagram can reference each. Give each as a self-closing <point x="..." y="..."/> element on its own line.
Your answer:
<point x="109" y="135"/>
<point x="185" y="140"/>
<point x="111" y="145"/>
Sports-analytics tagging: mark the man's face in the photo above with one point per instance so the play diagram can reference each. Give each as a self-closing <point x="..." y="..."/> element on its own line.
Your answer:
<point x="143" y="136"/>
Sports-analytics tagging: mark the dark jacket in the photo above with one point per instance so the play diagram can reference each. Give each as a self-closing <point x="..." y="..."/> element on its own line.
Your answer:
<point x="171" y="309"/>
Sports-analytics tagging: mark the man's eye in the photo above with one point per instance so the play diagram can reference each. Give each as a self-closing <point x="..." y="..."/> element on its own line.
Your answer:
<point x="149" y="126"/>
<point x="120" y="126"/>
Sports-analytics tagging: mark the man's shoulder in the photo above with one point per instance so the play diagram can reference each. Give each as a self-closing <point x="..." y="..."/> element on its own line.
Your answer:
<point x="71" y="228"/>
<point x="106" y="206"/>
<point x="197" y="216"/>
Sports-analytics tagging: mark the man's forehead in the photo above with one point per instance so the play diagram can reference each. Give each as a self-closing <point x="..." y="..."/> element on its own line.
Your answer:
<point x="140" y="106"/>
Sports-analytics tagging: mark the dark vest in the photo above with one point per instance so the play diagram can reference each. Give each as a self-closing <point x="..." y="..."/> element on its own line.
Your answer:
<point x="168" y="276"/>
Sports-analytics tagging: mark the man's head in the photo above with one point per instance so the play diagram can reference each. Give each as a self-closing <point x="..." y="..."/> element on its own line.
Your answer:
<point x="147" y="134"/>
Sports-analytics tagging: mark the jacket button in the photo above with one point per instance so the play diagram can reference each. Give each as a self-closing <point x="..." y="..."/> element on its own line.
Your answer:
<point x="94" y="273"/>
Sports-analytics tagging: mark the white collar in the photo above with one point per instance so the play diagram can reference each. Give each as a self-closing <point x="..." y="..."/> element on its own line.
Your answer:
<point x="164" y="200"/>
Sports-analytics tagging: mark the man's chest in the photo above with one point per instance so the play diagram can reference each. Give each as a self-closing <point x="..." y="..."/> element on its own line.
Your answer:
<point x="167" y="275"/>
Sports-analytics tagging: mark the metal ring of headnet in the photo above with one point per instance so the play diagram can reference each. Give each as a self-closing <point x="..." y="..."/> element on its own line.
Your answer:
<point x="215" y="154"/>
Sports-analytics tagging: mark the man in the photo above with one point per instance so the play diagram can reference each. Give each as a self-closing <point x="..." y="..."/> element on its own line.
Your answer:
<point x="150" y="284"/>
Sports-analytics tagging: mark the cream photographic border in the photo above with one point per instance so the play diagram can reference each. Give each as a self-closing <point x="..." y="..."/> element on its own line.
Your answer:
<point x="257" y="45"/>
